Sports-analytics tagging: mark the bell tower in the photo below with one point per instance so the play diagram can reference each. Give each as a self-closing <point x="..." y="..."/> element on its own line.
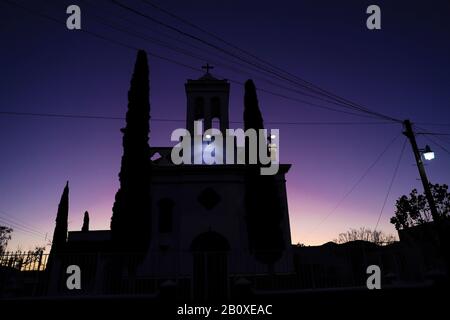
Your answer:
<point x="207" y="100"/>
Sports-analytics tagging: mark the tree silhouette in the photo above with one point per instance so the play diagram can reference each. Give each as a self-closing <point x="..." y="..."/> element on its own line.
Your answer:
<point x="252" y="115"/>
<point x="365" y="234"/>
<point x="60" y="232"/>
<point x="414" y="210"/>
<point x="85" y="226"/>
<point x="262" y="199"/>
<point x="130" y="222"/>
<point x="5" y="236"/>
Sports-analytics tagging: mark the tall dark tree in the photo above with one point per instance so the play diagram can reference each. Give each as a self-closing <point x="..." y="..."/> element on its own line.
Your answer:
<point x="252" y="115"/>
<point x="130" y="223"/>
<point x="262" y="198"/>
<point x="85" y="226"/>
<point x="60" y="232"/>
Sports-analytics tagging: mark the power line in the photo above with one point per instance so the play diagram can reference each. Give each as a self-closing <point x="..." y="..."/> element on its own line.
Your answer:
<point x="20" y="226"/>
<point x="100" y="117"/>
<point x="433" y="133"/>
<point x="309" y="103"/>
<point x="348" y="104"/>
<point x="16" y="226"/>
<point x="308" y="84"/>
<point x="20" y="222"/>
<point x="287" y="123"/>
<point x="432" y="140"/>
<point x="59" y="115"/>
<point x="190" y="54"/>
<point x="391" y="183"/>
<point x="434" y="124"/>
<point x="196" y="56"/>
<point x="20" y="229"/>
<point x="200" y="29"/>
<point x="438" y="144"/>
<point x="366" y="172"/>
<point x="99" y="36"/>
<point x="341" y="101"/>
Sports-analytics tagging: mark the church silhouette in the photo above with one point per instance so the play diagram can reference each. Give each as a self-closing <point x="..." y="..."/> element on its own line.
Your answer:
<point x="203" y="232"/>
<point x="186" y="234"/>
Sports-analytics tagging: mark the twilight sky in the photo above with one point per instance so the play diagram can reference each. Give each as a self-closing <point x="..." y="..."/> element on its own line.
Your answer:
<point x="401" y="70"/>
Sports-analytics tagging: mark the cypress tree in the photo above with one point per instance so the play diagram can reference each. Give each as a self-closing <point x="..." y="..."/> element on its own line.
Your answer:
<point x="252" y="115"/>
<point x="131" y="219"/>
<point x="85" y="226"/>
<point x="60" y="232"/>
<point x="262" y="198"/>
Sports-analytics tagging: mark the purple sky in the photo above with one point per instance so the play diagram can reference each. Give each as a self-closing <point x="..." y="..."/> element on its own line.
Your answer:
<point x="401" y="70"/>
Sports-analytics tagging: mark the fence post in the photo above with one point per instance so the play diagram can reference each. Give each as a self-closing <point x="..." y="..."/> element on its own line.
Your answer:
<point x="99" y="276"/>
<point x="54" y="273"/>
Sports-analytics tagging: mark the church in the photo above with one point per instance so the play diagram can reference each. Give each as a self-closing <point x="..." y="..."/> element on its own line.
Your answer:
<point x="201" y="229"/>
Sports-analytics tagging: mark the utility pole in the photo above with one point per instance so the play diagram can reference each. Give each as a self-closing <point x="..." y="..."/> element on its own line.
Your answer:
<point x="423" y="176"/>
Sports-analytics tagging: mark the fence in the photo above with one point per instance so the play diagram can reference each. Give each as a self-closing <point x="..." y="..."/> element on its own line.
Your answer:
<point x="31" y="274"/>
<point x="24" y="261"/>
<point x="201" y="273"/>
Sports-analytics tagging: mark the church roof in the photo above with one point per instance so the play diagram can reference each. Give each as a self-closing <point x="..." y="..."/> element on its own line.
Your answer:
<point x="92" y="235"/>
<point x="208" y="77"/>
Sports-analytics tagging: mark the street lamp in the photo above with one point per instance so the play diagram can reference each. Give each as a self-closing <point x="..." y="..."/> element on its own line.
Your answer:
<point x="428" y="154"/>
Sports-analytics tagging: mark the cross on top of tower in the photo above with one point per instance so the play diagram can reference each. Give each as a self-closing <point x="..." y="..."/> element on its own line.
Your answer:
<point x="207" y="67"/>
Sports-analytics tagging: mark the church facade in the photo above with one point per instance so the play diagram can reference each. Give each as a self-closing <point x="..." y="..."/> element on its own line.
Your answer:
<point x="198" y="214"/>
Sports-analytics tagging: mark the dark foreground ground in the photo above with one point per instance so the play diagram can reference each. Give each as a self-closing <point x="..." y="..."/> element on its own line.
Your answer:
<point x="404" y="303"/>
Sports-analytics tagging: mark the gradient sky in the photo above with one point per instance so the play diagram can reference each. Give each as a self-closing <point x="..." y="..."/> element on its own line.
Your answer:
<point x="401" y="70"/>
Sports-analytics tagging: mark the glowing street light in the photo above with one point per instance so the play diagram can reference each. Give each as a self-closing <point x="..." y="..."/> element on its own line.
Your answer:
<point x="428" y="154"/>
